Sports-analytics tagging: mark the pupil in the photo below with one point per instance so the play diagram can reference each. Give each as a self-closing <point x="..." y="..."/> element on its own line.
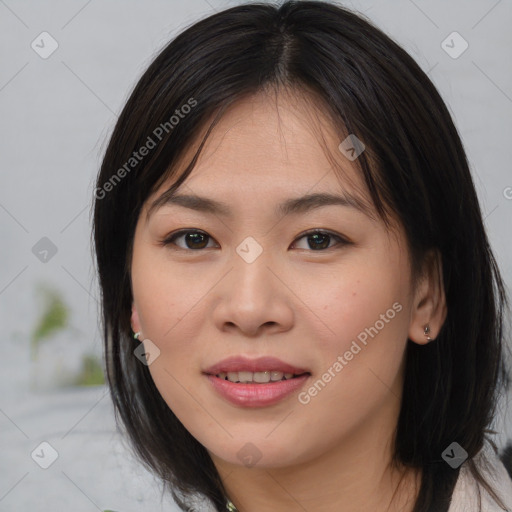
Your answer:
<point x="194" y="238"/>
<point x="315" y="236"/>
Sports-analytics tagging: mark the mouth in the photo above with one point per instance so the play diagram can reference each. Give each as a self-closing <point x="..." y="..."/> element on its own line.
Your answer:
<point x="261" y="369"/>
<point x="264" y="377"/>
<point x="255" y="382"/>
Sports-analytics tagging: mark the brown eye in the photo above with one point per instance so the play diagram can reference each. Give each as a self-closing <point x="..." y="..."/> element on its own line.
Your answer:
<point x="321" y="240"/>
<point x="193" y="239"/>
<point x="196" y="240"/>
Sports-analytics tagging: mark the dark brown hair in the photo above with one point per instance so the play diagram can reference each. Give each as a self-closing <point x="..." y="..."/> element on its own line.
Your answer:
<point x="414" y="165"/>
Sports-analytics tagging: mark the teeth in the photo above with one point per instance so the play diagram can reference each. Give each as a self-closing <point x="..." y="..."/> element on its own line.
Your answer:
<point x="257" y="377"/>
<point x="262" y="377"/>
<point x="245" y="376"/>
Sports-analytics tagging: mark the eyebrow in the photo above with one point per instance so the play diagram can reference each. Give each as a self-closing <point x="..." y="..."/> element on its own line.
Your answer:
<point x="296" y="205"/>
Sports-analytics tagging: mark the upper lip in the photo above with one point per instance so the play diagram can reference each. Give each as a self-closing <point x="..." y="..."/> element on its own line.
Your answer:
<point x="260" y="364"/>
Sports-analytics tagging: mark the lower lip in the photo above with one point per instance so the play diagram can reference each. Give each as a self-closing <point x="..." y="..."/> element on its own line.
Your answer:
<point x="256" y="395"/>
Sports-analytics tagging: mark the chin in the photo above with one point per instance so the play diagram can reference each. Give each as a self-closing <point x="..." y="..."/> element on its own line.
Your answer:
<point x="253" y="451"/>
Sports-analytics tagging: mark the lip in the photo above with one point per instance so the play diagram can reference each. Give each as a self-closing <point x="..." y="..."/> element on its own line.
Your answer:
<point x="252" y="394"/>
<point x="260" y="364"/>
<point x="257" y="395"/>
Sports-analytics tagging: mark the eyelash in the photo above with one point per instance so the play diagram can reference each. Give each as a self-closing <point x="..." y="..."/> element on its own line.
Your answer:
<point x="171" y="238"/>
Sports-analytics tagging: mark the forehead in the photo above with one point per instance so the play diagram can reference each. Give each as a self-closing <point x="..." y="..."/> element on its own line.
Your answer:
<point x="269" y="146"/>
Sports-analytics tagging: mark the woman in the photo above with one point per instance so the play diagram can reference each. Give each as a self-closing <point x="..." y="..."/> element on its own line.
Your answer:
<point x="286" y="220"/>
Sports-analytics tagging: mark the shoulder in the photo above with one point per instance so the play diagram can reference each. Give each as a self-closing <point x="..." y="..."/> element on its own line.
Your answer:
<point x="466" y="491"/>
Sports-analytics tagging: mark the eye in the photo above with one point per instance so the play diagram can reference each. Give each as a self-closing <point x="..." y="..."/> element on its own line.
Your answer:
<point x="194" y="239"/>
<point x="197" y="240"/>
<point x="320" y="240"/>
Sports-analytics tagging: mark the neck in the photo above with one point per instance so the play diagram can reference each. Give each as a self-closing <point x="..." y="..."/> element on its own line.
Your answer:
<point x="323" y="486"/>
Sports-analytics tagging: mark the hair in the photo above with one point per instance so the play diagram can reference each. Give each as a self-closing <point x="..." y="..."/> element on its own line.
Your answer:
<point x="414" y="167"/>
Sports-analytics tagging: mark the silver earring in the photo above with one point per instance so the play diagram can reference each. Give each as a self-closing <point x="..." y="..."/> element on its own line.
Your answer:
<point x="426" y="332"/>
<point x="136" y="335"/>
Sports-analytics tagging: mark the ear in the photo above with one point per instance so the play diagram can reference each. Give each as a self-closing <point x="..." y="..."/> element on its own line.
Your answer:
<point x="429" y="306"/>
<point x="135" y="319"/>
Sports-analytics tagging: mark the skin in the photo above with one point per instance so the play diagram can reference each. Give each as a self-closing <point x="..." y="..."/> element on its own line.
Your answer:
<point x="302" y="305"/>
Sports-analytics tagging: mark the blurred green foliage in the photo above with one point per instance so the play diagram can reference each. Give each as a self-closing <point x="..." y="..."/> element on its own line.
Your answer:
<point x="54" y="317"/>
<point x="91" y="373"/>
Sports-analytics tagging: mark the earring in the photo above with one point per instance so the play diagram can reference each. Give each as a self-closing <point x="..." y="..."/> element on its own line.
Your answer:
<point x="136" y="335"/>
<point x="426" y="332"/>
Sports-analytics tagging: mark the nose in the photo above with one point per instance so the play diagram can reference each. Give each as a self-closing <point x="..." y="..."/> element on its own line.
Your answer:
<point x="253" y="299"/>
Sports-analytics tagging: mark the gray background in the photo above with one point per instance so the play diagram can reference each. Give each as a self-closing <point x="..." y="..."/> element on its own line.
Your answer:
<point x="56" y="115"/>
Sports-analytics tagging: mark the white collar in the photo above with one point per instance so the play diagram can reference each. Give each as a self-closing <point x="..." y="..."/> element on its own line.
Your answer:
<point x="465" y="493"/>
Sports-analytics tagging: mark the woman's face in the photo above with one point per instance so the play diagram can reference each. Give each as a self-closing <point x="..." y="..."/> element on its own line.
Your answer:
<point x="248" y="289"/>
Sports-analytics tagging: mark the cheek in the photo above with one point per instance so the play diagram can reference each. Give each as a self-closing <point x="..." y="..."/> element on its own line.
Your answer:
<point x="155" y="300"/>
<point x="165" y="298"/>
<point x="360" y="364"/>
<point x="368" y="301"/>
<point x="165" y="301"/>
